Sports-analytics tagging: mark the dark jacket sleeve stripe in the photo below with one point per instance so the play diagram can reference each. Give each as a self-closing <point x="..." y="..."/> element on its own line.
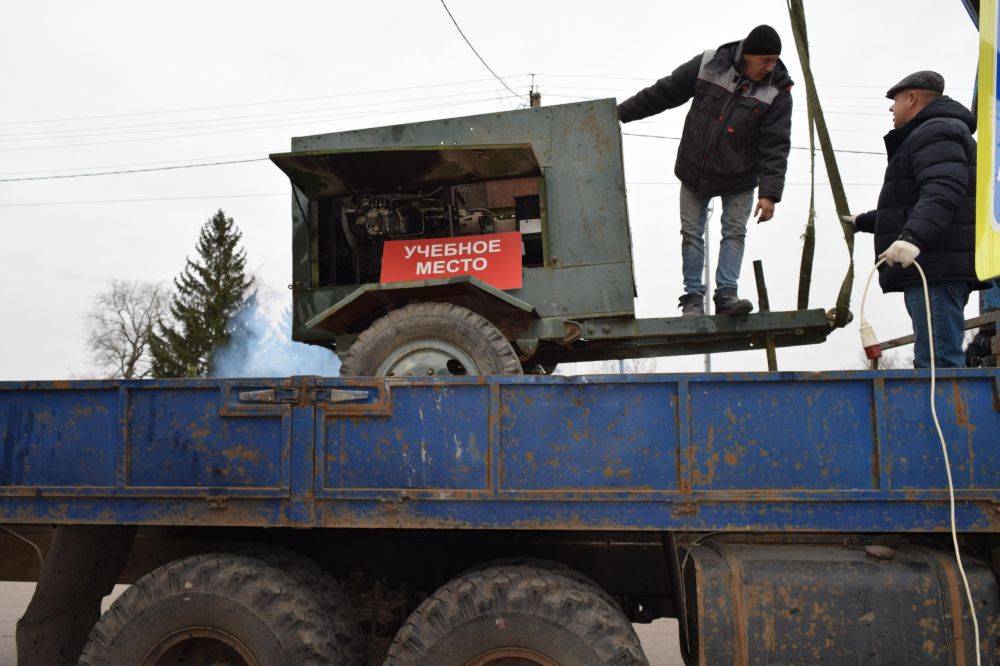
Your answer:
<point x="773" y="145"/>
<point x="667" y="93"/>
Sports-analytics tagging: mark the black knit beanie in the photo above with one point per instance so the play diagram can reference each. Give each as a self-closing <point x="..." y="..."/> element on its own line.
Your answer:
<point x="762" y="40"/>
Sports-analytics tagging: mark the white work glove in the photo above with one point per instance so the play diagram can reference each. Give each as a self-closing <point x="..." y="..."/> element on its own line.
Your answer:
<point x="900" y="251"/>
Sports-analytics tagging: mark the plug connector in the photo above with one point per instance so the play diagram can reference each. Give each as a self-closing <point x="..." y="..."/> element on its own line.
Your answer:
<point x="869" y="341"/>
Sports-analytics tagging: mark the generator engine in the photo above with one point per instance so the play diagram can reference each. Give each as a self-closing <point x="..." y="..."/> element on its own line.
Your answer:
<point x="442" y="212"/>
<point x="360" y="200"/>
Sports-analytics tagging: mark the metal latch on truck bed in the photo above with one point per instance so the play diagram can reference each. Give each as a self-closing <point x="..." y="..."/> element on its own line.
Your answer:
<point x="338" y="395"/>
<point x="271" y="396"/>
<point x="291" y="395"/>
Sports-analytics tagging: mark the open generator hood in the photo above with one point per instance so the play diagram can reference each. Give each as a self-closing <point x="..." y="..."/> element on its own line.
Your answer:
<point x="333" y="173"/>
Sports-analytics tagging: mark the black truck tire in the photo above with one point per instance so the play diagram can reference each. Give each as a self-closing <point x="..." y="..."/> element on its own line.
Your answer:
<point x="552" y="566"/>
<point x="335" y="603"/>
<point x="216" y="608"/>
<point x="505" y="613"/>
<point x="398" y="343"/>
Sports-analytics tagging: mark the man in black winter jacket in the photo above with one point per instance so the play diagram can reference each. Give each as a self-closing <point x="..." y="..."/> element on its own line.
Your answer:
<point x="927" y="209"/>
<point x="736" y="138"/>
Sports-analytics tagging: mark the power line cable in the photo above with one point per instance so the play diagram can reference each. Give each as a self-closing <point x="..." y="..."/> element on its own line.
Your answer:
<point x="677" y="138"/>
<point x="84" y="132"/>
<point x="303" y="121"/>
<point x="175" y="167"/>
<point x="677" y="126"/>
<point x="115" y="173"/>
<point x="245" y="104"/>
<point x="129" y="165"/>
<point x="168" y="167"/>
<point x="870" y="99"/>
<point x="655" y="78"/>
<point x="285" y="194"/>
<point x="489" y="69"/>
<point x="117" y="201"/>
<point x="584" y="98"/>
<point x="373" y="92"/>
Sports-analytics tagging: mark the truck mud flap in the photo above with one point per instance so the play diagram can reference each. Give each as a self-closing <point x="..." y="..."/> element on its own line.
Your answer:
<point x="81" y="567"/>
<point x="791" y="604"/>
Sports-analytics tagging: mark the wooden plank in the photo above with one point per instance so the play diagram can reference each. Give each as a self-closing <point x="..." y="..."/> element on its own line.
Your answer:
<point x="975" y="322"/>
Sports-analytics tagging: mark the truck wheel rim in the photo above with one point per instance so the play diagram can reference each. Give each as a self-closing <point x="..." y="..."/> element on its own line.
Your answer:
<point x="512" y="656"/>
<point x="200" y="645"/>
<point x="427" y="358"/>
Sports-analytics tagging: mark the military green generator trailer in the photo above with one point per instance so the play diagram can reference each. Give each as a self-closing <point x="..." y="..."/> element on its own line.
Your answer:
<point x="489" y="244"/>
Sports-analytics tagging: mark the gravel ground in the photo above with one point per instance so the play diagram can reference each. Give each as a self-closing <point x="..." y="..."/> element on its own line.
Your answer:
<point x="659" y="639"/>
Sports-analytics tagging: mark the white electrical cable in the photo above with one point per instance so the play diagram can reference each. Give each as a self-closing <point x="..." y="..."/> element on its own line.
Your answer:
<point x="944" y="446"/>
<point x="34" y="546"/>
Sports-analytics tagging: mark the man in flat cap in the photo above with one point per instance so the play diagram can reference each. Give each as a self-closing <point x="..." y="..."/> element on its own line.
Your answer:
<point x="927" y="209"/>
<point x="736" y="139"/>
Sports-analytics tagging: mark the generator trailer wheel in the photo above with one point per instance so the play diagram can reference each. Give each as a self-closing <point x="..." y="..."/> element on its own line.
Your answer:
<point x="430" y="340"/>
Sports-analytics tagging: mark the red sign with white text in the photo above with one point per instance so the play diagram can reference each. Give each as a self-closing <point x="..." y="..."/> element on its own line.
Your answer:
<point x="493" y="258"/>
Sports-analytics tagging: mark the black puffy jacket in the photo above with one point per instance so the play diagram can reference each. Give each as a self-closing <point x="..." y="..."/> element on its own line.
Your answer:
<point x="736" y="134"/>
<point x="930" y="193"/>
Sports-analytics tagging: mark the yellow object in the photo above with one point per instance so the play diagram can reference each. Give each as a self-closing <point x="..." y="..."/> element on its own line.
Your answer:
<point x="987" y="167"/>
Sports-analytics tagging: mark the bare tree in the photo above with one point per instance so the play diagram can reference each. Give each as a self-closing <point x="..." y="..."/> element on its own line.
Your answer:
<point x="632" y="366"/>
<point x="119" y="326"/>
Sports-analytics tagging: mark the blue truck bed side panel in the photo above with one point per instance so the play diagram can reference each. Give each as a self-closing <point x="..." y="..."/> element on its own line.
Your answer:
<point x="41" y="427"/>
<point x="592" y="437"/>
<point x="849" y="451"/>
<point x="178" y="438"/>
<point x="440" y="442"/>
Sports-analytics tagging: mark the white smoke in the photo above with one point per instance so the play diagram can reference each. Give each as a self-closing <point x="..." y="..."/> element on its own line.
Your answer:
<point x="260" y="343"/>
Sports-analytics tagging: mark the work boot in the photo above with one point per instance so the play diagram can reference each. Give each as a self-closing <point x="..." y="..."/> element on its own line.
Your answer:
<point x="727" y="302"/>
<point x="692" y="305"/>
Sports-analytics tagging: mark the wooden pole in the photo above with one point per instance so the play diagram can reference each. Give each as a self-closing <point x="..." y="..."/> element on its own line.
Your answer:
<point x="764" y="305"/>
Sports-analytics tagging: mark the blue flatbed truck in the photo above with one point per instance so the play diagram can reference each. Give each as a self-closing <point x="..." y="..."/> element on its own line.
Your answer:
<point x="783" y="518"/>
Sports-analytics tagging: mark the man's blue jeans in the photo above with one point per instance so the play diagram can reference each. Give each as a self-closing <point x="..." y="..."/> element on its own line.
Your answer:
<point x="694" y="214"/>
<point x="948" y="301"/>
<point x="990" y="298"/>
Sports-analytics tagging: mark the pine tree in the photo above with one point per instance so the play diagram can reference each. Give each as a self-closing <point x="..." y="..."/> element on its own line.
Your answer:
<point x="208" y="291"/>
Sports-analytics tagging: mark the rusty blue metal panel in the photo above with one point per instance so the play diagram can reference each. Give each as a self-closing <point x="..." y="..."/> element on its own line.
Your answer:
<point x="973" y="438"/>
<point x="753" y="435"/>
<point x="189" y="437"/>
<point x="589" y="436"/>
<point x="600" y="513"/>
<point x="700" y="514"/>
<point x="59" y="438"/>
<point x="852" y="451"/>
<point x="436" y="438"/>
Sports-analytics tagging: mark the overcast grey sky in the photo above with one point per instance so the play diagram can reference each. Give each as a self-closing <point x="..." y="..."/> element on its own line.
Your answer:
<point x="102" y="84"/>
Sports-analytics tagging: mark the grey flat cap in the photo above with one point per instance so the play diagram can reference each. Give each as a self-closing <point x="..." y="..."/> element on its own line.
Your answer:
<point x="922" y="80"/>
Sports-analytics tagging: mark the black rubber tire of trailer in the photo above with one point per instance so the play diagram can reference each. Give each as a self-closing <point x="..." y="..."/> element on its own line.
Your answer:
<point x="453" y="325"/>
<point x="221" y="606"/>
<point x="522" y="612"/>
